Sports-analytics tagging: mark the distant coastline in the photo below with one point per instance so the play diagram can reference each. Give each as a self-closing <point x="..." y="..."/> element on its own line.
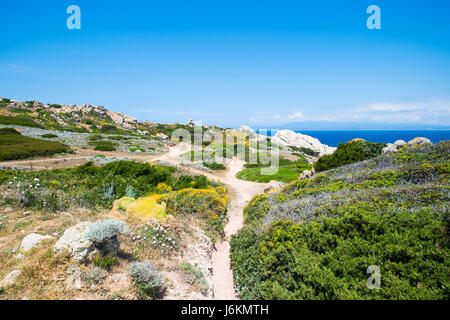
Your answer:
<point x="333" y="137"/>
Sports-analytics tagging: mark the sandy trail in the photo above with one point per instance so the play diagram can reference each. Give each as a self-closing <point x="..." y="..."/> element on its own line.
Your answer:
<point x="240" y="192"/>
<point x="243" y="192"/>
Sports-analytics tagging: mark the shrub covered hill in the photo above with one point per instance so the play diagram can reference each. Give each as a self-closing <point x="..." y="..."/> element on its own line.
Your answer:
<point x="77" y="118"/>
<point x="316" y="238"/>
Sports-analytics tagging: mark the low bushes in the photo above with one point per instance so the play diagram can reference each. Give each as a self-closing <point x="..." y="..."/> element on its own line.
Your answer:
<point x="49" y="136"/>
<point x="147" y="279"/>
<point x="209" y="204"/>
<point x="90" y="186"/>
<point x="102" y="145"/>
<point x="350" y="152"/>
<point x="14" y="146"/>
<point x="316" y="238"/>
<point x="214" y="166"/>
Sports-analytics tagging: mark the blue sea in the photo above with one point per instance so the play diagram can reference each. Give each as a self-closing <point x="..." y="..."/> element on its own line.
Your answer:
<point x="333" y="138"/>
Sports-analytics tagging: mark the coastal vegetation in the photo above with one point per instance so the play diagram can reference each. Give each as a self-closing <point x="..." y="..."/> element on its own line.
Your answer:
<point x="287" y="170"/>
<point x="349" y="152"/>
<point x="316" y="238"/>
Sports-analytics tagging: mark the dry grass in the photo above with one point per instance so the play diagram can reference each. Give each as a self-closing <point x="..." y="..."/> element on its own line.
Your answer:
<point x="44" y="273"/>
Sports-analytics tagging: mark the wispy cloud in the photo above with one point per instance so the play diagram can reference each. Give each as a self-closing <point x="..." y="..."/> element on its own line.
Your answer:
<point x="433" y="111"/>
<point x="184" y="113"/>
<point x="13" y="68"/>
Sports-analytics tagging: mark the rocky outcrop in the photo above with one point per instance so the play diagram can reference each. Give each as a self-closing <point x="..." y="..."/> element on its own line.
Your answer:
<point x="77" y="112"/>
<point x="291" y="138"/>
<point x="246" y="129"/>
<point x="273" y="185"/>
<point x="32" y="240"/>
<point x="419" y="141"/>
<point x="397" y="145"/>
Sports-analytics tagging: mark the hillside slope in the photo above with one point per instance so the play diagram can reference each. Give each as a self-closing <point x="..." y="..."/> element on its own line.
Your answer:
<point x="316" y="238"/>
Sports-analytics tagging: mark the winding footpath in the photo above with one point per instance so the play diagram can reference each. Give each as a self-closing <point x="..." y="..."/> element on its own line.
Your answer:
<point x="243" y="191"/>
<point x="240" y="192"/>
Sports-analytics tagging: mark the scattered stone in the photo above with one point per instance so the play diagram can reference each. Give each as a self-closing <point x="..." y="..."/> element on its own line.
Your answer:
<point x="273" y="185"/>
<point x="390" y="148"/>
<point x="246" y="129"/>
<point x="10" y="279"/>
<point x="32" y="240"/>
<point x="117" y="277"/>
<point x="306" y="174"/>
<point x="20" y="256"/>
<point x="74" y="241"/>
<point x="162" y="136"/>
<point x="74" y="279"/>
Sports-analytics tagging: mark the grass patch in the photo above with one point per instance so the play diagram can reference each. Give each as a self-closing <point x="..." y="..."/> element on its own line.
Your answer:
<point x="288" y="171"/>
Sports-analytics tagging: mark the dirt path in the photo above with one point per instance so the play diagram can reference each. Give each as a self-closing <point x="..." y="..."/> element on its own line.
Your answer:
<point x="243" y="192"/>
<point x="240" y="192"/>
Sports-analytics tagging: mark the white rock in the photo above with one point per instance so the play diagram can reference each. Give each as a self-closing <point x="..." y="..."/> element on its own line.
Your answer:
<point x="10" y="279"/>
<point x="306" y="174"/>
<point x="273" y="185"/>
<point x="390" y="148"/>
<point x="246" y="129"/>
<point x="400" y="143"/>
<point x="74" y="241"/>
<point x="32" y="240"/>
<point x="291" y="138"/>
<point x="162" y="136"/>
<point x="418" y="140"/>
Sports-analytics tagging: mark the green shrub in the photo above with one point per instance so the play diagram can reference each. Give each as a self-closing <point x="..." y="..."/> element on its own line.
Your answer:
<point x="350" y="152"/>
<point x="104" y="262"/>
<point x="49" y="136"/>
<point x="196" y="276"/>
<point x="316" y="238"/>
<point x="214" y="166"/>
<point x="4" y="131"/>
<point x="90" y="186"/>
<point x="304" y="150"/>
<point x="104" y="145"/>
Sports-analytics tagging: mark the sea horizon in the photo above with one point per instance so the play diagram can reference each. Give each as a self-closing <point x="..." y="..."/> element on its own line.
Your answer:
<point x="333" y="137"/>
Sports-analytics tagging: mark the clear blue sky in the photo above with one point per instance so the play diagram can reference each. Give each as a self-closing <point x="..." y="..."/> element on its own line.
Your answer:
<point x="233" y="62"/>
